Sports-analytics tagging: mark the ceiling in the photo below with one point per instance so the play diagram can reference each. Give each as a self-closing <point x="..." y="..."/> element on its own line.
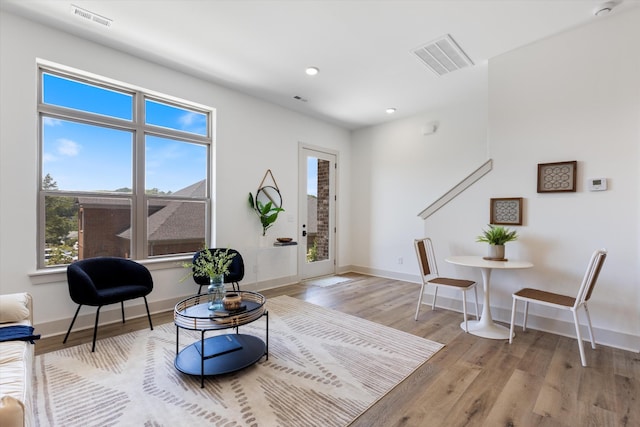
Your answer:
<point x="364" y="49"/>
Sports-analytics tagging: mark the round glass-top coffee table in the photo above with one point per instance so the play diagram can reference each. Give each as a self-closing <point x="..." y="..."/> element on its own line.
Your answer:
<point x="220" y="354"/>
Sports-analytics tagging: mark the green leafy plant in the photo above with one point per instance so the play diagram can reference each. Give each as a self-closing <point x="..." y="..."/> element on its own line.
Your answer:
<point x="312" y="253"/>
<point x="210" y="263"/>
<point x="497" y="235"/>
<point x="268" y="212"/>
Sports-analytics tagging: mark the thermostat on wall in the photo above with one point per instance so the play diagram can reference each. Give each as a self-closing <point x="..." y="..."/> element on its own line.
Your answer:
<point x="597" y="184"/>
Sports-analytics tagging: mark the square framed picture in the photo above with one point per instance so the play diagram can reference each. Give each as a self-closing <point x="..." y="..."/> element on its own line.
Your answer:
<point x="506" y="211"/>
<point x="557" y="177"/>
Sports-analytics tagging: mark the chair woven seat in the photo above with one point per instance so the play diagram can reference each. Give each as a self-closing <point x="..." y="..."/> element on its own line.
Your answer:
<point x="549" y="297"/>
<point x="458" y="283"/>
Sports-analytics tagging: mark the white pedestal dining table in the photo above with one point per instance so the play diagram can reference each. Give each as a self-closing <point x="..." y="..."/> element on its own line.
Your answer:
<point x="485" y="326"/>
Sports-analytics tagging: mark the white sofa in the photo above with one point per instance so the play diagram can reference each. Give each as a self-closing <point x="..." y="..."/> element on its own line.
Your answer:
<point x="16" y="363"/>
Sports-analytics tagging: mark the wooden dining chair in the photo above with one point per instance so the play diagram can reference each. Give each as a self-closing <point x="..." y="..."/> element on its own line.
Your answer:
<point x="430" y="276"/>
<point x="564" y="302"/>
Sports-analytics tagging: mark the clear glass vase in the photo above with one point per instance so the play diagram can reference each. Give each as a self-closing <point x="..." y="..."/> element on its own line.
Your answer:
<point x="216" y="292"/>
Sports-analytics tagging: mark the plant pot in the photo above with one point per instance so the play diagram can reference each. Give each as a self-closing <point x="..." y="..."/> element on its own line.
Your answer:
<point x="496" y="252"/>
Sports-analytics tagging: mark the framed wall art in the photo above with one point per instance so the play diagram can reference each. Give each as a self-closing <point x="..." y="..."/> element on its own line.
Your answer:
<point x="506" y="211"/>
<point x="557" y="177"/>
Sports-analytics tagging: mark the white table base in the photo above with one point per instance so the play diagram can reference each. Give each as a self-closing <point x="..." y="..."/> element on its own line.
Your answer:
<point x="486" y="327"/>
<point x="487" y="330"/>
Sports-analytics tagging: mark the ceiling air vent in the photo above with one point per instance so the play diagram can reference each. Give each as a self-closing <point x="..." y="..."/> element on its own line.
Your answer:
<point x="90" y="16"/>
<point x="443" y="55"/>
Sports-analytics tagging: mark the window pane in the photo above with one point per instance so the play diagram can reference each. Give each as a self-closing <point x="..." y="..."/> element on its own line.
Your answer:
<point x="81" y="157"/>
<point x="175" y="227"/>
<point x="170" y="117"/>
<point x="175" y="168"/>
<point x="85" y="97"/>
<point x="104" y="227"/>
<point x="317" y="209"/>
<point x="100" y="162"/>
<point x="61" y="230"/>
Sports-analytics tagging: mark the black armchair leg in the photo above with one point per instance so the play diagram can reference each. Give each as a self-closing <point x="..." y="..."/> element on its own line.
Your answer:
<point x="71" y="325"/>
<point x="148" y="314"/>
<point x="122" y="307"/>
<point x="95" y="330"/>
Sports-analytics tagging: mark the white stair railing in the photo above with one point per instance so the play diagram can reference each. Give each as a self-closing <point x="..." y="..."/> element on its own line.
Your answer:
<point x="457" y="189"/>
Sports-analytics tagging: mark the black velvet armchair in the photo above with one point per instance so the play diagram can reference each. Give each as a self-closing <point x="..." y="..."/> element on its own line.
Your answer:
<point x="107" y="280"/>
<point x="236" y="270"/>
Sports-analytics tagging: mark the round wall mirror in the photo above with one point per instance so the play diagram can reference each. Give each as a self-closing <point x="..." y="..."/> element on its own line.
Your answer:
<point x="269" y="194"/>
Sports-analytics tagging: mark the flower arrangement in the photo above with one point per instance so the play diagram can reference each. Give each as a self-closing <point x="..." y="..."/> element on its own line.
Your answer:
<point x="211" y="263"/>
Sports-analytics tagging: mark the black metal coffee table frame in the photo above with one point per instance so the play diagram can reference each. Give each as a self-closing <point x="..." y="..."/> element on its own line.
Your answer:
<point x="204" y="357"/>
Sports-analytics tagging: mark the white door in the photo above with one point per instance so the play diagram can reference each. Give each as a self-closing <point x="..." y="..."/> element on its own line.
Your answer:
<point x="317" y="195"/>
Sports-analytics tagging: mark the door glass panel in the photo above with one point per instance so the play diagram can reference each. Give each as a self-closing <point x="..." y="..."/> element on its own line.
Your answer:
<point x="317" y="209"/>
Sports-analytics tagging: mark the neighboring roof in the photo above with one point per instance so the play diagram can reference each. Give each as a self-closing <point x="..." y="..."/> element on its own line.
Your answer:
<point x="177" y="220"/>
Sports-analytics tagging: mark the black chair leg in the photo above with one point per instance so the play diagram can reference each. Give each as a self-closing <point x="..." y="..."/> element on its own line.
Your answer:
<point x="95" y="330"/>
<point x="71" y="325"/>
<point x="148" y="314"/>
<point x="122" y="307"/>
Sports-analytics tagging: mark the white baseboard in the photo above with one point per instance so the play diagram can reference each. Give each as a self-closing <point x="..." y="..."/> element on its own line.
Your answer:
<point x="604" y="337"/>
<point x="135" y="308"/>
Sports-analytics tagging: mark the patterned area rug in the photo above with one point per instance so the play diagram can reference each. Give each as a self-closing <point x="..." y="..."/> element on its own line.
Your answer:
<point x="325" y="368"/>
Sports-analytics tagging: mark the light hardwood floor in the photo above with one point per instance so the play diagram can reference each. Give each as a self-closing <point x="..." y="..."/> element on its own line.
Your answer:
<point x="472" y="381"/>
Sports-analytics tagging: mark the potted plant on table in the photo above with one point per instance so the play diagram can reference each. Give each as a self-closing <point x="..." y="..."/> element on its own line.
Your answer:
<point x="496" y="237"/>
<point x="215" y="265"/>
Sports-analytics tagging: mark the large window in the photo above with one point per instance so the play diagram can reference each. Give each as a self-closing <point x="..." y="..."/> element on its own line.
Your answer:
<point x="123" y="172"/>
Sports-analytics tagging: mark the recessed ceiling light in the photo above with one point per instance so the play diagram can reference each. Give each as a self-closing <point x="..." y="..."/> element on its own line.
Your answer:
<point x="390" y="110"/>
<point x="312" y="71"/>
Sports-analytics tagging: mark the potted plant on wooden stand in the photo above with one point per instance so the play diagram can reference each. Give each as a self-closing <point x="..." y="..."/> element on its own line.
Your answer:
<point x="496" y="237"/>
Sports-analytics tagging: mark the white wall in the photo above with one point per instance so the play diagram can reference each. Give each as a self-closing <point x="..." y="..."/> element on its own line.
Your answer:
<point x="252" y="136"/>
<point x="398" y="171"/>
<point x="575" y="96"/>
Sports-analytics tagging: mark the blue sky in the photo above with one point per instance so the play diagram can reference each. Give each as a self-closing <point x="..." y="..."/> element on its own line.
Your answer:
<point x="312" y="176"/>
<point x="82" y="157"/>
